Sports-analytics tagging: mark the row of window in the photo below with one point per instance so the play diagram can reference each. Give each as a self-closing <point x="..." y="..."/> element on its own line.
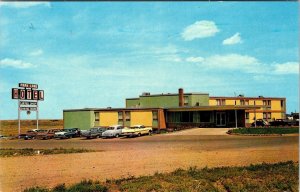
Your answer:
<point x="246" y="102"/>
<point x="266" y="115"/>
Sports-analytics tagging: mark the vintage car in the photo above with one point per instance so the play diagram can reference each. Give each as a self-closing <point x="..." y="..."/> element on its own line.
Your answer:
<point x="280" y="122"/>
<point x="260" y="123"/>
<point x="113" y="131"/>
<point x="47" y="134"/>
<point x="136" y="130"/>
<point x="94" y="132"/>
<point x="31" y="134"/>
<point x="68" y="133"/>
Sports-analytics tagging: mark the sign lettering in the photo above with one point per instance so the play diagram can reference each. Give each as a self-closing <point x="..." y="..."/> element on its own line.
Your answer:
<point x="41" y="95"/>
<point x="22" y="94"/>
<point x="27" y="85"/>
<point x="28" y="108"/>
<point x="15" y="93"/>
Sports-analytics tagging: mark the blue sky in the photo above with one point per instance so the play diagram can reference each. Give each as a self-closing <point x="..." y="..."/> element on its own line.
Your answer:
<point x="96" y="54"/>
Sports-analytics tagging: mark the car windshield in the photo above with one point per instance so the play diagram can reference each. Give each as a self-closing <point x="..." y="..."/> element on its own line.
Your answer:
<point x="110" y="128"/>
<point x="93" y="129"/>
<point x="67" y="130"/>
<point x="134" y="127"/>
<point x="39" y="131"/>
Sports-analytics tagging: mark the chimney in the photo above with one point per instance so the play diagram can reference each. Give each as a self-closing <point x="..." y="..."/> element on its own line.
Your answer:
<point x="180" y="97"/>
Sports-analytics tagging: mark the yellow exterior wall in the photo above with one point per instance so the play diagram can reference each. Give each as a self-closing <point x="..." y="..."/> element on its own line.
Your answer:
<point x="275" y="105"/>
<point x="108" y="118"/>
<point x="230" y="102"/>
<point x="252" y="115"/>
<point x="212" y="102"/>
<point x="141" y="118"/>
<point x="276" y="116"/>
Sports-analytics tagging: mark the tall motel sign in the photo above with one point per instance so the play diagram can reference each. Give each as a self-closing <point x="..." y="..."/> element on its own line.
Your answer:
<point x="28" y="97"/>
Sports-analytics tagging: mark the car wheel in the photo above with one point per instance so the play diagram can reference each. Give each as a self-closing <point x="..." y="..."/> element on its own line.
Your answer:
<point x="117" y="135"/>
<point x="139" y="134"/>
<point x="150" y="133"/>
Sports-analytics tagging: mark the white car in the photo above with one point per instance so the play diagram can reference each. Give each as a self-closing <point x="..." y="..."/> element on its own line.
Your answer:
<point x="113" y="131"/>
<point x="136" y="130"/>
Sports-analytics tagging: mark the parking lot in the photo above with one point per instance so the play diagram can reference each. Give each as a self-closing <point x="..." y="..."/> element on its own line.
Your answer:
<point x="121" y="157"/>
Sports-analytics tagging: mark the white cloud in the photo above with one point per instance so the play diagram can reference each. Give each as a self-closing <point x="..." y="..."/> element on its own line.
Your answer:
<point x="195" y="59"/>
<point x="23" y="4"/>
<point x="286" y="68"/>
<point x="36" y="52"/>
<point x="245" y="64"/>
<point x="235" y="39"/>
<point x="15" y="63"/>
<point x="200" y="29"/>
<point x="235" y="62"/>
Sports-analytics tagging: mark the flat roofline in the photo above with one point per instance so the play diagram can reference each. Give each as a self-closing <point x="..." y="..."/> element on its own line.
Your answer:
<point x="112" y="109"/>
<point x="213" y="108"/>
<point x="132" y="98"/>
<point x="199" y="108"/>
<point x="173" y="94"/>
<point x="239" y="98"/>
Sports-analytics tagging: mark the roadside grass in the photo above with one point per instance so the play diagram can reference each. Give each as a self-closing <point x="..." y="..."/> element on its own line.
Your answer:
<point x="264" y="131"/>
<point x="10" y="127"/>
<point x="263" y="177"/>
<point x="10" y="152"/>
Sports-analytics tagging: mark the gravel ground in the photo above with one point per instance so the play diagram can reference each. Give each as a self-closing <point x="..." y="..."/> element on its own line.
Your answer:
<point x="146" y="155"/>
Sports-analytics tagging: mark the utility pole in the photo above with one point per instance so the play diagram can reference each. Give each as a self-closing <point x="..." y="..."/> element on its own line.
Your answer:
<point x="235" y="110"/>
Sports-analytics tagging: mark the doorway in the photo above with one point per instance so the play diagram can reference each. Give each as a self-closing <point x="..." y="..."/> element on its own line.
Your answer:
<point x="220" y="118"/>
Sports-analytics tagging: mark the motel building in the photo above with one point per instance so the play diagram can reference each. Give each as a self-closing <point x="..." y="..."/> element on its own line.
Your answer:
<point x="180" y="110"/>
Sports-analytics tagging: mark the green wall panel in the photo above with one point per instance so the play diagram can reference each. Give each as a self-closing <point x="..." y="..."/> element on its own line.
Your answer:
<point x="132" y="102"/>
<point x="81" y="119"/>
<point x="160" y="101"/>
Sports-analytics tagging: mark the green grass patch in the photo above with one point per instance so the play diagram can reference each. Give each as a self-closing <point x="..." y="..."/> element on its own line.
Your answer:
<point x="260" y="178"/>
<point x="264" y="131"/>
<point x="9" y="152"/>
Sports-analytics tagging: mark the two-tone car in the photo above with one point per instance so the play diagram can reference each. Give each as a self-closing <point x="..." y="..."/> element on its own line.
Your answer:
<point x="68" y="133"/>
<point x="136" y="130"/>
<point x="31" y="134"/>
<point x="94" y="132"/>
<point x="47" y="134"/>
<point x="113" y="131"/>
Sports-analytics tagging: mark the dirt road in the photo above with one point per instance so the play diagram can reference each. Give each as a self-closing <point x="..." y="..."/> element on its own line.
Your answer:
<point x="139" y="156"/>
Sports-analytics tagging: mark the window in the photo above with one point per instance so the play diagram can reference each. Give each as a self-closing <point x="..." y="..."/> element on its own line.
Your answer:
<point x="246" y="102"/>
<point x="96" y="123"/>
<point x="96" y="116"/>
<point x="154" y="115"/>
<point x="267" y="102"/>
<point x="120" y="116"/>
<point x="267" y="115"/>
<point x="281" y="103"/>
<point x="247" y="115"/>
<point x="127" y="115"/>
<point x="220" y="101"/>
<point x="204" y="116"/>
<point x="242" y="102"/>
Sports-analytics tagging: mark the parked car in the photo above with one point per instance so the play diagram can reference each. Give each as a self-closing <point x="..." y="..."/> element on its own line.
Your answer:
<point x="31" y="134"/>
<point x="136" y="130"/>
<point x="113" y="131"/>
<point x="280" y="122"/>
<point x="47" y="134"/>
<point x="68" y="133"/>
<point x="94" y="132"/>
<point x="260" y="123"/>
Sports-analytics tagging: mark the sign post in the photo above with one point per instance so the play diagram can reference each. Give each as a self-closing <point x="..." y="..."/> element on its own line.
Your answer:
<point x="28" y="97"/>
